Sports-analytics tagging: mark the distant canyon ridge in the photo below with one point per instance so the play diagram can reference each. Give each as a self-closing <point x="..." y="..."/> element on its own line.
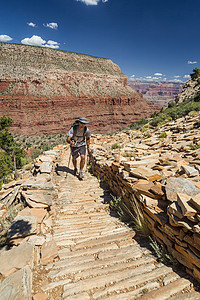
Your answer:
<point x="160" y="93"/>
<point x="44" y="90"/>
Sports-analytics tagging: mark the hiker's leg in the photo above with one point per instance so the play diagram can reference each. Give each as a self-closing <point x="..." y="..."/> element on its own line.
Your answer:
<point x="74" y="161"/>
<point x="82" y="162"/>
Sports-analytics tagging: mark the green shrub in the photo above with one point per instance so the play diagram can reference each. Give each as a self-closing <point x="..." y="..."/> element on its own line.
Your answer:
<point x="115" y="146"/>
<point x="163" y="135"/>
<point x="171" y="104"/>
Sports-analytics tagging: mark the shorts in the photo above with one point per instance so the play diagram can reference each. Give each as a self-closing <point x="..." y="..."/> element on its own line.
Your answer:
<point x="76" y="151"/>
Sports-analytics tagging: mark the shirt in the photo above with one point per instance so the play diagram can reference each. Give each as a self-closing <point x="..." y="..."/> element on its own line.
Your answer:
<point x="79" y="138"/>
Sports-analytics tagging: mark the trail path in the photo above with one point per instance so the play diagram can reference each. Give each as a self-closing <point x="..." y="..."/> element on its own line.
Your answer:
<point x="99" y="257"/>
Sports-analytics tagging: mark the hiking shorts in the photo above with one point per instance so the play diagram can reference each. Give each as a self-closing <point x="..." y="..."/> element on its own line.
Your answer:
<point x="76" y="151"/>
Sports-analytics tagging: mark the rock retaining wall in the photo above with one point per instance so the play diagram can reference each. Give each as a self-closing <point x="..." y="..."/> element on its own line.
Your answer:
<point x="170" y="204"/>
<point x="26" y="226"/>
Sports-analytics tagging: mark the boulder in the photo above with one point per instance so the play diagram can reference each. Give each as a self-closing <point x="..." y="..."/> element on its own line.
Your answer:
<point x="17" y="286"/>
<point x="179" y="185"/>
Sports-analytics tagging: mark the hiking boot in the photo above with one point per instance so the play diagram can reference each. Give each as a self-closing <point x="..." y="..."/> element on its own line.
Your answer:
<point x="75" y="171"/>
<point x="81" y="176"/>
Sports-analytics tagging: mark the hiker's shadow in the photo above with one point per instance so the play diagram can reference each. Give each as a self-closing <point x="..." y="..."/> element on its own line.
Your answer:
<point x="62" y="169"/>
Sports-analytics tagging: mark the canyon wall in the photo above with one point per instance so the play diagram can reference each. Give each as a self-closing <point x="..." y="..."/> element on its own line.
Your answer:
<point x="160" y="93"/>
<point x="43" y="90"/>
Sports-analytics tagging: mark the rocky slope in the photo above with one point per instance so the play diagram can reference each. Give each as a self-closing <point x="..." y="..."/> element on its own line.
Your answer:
<point x="157" y="92"/>
<point x="190" y="90"/>
<point x="44" y="90"/>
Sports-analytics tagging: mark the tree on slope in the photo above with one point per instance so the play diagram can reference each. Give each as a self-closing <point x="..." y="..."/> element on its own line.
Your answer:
<point x="11" y="153"/>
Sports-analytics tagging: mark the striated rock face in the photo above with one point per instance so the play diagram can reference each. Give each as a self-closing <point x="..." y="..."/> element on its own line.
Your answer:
<point x="44" y="90"/>
<point x="157" y="92"/>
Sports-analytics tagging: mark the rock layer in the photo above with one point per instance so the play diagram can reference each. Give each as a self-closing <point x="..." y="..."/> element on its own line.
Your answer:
<point x="44" y="90"/>
<point x="157" y="92"/>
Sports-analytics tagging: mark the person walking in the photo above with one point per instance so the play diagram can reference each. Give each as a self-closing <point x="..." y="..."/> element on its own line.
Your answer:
<point x="78" y="137"/>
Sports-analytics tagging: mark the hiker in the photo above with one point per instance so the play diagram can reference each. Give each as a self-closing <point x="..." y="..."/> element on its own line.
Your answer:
<point x="78" y="137"/>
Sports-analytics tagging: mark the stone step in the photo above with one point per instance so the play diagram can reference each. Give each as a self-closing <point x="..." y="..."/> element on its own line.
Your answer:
<point x="102" y="227"/>
<point x="114" y="268"/>
<point x="106" y="239"/>
<point x="92" y="215"/>
<point x="169" y="290"/>
<point x="137" y="293"/>
<point x="132" y="282"/>
<point x="86" y="235"/>
<point x="65" y="223"/>
<point x="109" y="261"/>
<point x="187" y="296"/>
<point x="55" y="284"/>
<point x="82" y="296"/>
<point x="66" y="255"/>
<point x="101" y="281"/>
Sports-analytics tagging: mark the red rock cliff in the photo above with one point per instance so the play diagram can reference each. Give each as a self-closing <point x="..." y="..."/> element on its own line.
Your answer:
<point x="44" y="90"/>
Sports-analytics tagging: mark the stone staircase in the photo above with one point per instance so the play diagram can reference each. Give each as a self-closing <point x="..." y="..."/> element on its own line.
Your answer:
<point x="99" y="258"/>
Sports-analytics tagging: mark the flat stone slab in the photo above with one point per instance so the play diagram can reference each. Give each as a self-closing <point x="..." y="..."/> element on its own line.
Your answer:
<point x="49" y="250"/>
<point x="40" y="199"/>
<point x="145" y="173"/>
<point x="190" y="171"/>
<point x="22" y="226"/>
<point x="38" y="184"/>
<point x="46" y="167"/>
<point x="17" y="286"/>
<point x="17" y="257"/>
<point x="39" y="213"/>
<point x="180" y="185"/>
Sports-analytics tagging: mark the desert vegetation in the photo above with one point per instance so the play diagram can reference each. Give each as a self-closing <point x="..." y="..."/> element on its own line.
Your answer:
<point x="17" y="151"/>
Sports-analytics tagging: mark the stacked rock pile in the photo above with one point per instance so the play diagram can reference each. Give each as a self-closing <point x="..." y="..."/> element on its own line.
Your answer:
<point x="160" y="168"/>
<point x="26" y="226"/>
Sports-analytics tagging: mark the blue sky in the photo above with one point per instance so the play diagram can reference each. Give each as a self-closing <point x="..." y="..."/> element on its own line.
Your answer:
<point x="148" y="39"/>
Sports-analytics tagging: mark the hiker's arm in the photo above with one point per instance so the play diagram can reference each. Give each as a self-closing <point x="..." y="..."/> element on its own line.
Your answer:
<point x="70" y="141"/>
<point x="88" y="144"/>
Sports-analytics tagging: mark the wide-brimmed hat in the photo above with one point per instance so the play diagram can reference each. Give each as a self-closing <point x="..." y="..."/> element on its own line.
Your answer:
<point x="83" y="120"/>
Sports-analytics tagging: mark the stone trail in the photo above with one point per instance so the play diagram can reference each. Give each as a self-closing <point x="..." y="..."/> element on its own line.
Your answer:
<point x="98" y="255"/>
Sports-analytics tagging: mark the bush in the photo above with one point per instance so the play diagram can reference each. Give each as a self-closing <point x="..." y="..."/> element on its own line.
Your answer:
<point x="163" y="135"/>
<point x="171" y="104"/>
<point x="115" y="146"/>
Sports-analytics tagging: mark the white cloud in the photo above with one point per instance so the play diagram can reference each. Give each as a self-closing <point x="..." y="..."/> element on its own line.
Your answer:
<point x="176" y="81"/>
<point x="191" y="62"/>
<point x="177" y="76"/>
<point x="148" y="77"/>
<point x="186" y="76"/>
<point x="31" y="24"/>
<point x="51" y="25"/>
<point x="92" y="2"/>
<point x="36" y="40"/>
<point x="158" y="74"/>
<point x="132" y="75"/>
<point x="5" y="38"/>
<point x="52" y="44"/>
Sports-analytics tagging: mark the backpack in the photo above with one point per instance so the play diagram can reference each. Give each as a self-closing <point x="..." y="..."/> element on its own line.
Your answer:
<point x="75" y="128"/>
